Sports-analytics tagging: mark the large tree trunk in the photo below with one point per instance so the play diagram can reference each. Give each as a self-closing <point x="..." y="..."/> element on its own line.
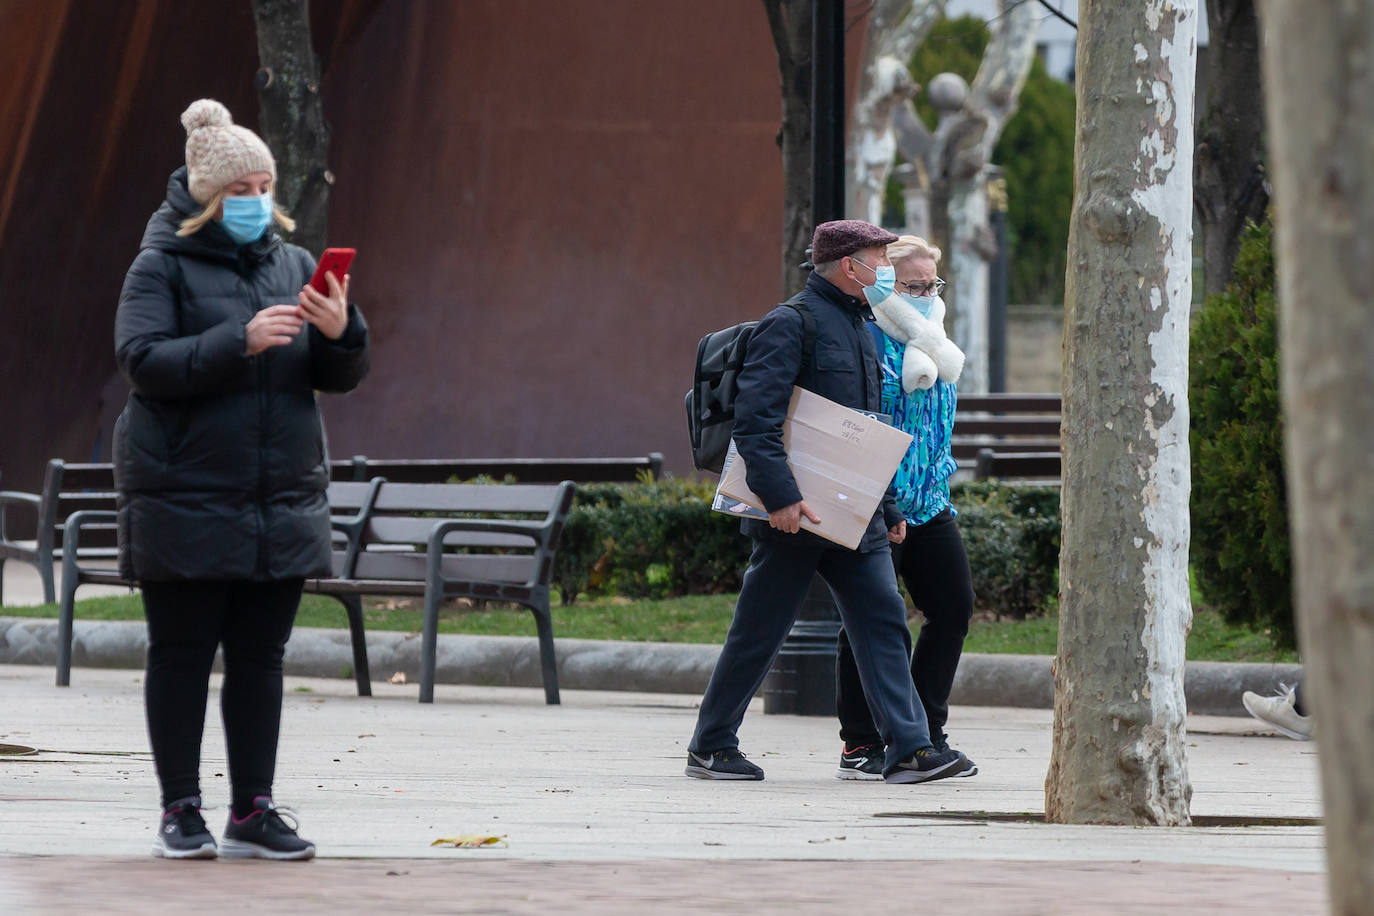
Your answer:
<point x="1230" y="183"/>
<point x="292" y="117"/>
<point x="790" y="22"/>
<point x="1124" y="610"/>
<point x="1320" y="89"/>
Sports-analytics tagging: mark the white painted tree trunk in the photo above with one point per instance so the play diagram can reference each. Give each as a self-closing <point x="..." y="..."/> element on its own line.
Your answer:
<point x="1319" y="91"/>
<point x="968" y="261"/>
<point x="895" y="28"/>
<point x="1118" y="753"/>
<point x="991" y="103"/>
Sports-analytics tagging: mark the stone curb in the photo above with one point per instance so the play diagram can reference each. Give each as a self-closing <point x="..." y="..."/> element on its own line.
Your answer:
<point x="1212" y="688"/>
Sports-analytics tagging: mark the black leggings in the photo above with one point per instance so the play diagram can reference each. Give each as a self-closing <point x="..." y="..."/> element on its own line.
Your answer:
<point x="187" y="621"/>
<point x="933" y="564"/>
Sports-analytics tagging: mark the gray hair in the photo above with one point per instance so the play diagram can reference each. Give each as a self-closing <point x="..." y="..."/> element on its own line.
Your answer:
<point x="828" y="269"/>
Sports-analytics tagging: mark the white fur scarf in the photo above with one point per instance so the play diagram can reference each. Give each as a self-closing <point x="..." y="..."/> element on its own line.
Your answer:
<point x="929" y="353"/>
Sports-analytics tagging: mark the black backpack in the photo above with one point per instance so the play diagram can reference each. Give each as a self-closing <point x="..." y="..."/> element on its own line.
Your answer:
<point x="711" y="402"/>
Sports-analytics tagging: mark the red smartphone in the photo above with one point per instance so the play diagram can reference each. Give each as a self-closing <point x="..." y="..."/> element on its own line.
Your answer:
<point x="335" y="261"/>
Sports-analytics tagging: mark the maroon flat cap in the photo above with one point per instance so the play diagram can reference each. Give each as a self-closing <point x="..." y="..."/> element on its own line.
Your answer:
<point x="837" y="238"/>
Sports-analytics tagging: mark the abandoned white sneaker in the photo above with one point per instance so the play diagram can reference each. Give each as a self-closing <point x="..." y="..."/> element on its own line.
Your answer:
<point x="1278" y="711"/>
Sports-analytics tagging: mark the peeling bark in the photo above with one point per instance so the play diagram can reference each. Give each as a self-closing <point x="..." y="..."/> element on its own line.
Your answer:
<point x="1124" y="609"/>
<point x="1320" y="87"/>
<point x="292" y="117"/>
<point x="790" y="24"/>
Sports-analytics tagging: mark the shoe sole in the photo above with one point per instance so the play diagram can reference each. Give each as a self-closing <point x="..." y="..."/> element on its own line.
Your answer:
<point x="697" y="772"/>
<point x="953" y="768"/>
<point x="857" y="775"/>
<point x="238" y="849"/>
<point x="206" y="850"/>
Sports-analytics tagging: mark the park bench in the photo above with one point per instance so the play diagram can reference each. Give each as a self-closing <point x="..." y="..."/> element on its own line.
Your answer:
<point x="524" y="470"/>
<point x="1009" y="436"/>
<point x="443" y="541"/>
<point x="349" y="504"/>
<point x="67" y="488"/>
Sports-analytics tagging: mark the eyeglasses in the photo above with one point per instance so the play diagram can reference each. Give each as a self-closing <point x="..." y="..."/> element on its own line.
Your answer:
<point x="924" y="287"/>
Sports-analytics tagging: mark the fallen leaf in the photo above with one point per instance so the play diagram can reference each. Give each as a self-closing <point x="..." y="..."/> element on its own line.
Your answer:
<point x="472" y="840"/>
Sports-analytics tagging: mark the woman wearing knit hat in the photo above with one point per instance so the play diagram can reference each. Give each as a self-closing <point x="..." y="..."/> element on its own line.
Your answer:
<point x="221" y="467"/>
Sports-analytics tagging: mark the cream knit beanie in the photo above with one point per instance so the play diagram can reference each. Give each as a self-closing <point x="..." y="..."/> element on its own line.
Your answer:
<point x="219" y="151"/>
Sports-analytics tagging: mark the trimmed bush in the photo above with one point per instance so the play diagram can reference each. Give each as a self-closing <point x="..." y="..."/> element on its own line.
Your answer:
<point x="658" y="539"/>
<point x="652" y="539"/>
<point x="1240" y="548"/>
<point x="1011" y="534"/>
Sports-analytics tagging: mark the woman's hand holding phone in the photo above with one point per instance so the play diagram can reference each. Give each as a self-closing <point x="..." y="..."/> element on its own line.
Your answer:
<point x="328" y="313"/>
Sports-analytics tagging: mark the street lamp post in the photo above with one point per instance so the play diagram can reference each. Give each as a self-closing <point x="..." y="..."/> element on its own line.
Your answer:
<point x="802" y="679"/>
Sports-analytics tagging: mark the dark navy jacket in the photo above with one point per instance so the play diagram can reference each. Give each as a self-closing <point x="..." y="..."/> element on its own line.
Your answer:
<point x="844" y="369"/>
<point x="220" y="458"/>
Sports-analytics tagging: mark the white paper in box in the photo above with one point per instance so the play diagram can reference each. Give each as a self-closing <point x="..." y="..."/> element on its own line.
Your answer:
<point x="842" y="460"/>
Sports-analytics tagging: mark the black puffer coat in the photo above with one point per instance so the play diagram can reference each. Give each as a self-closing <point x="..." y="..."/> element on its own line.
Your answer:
<point x="220" y="458"/>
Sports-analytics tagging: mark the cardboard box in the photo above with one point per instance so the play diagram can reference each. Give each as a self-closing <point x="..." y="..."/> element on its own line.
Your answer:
<point x="842" y="459"/>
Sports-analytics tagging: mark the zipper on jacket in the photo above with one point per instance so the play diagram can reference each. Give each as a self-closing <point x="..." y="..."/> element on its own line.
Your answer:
<point x="262" y="464"/>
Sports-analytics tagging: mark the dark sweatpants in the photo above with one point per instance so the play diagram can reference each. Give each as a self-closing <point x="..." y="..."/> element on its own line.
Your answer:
<point x="186" y="623"/>
<point x="933" y="564"/>
<point x="779" y="574"/>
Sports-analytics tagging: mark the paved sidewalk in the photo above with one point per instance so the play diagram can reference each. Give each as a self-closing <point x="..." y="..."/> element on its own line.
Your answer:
<point x="591" y="799"/>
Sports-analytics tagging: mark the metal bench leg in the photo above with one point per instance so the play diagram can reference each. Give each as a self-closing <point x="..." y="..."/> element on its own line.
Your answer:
<point x="2" y="577"/>
<point x="45" y="573"/>
<point x="353" y="604"/>
<point x="543" y="621"/>
<point x="70" y="580"/>
<point x="429" y="644"/>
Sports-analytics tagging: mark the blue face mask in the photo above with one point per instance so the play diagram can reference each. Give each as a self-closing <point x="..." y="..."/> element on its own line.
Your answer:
<point x="884" y="283"/>
<point x="923" y="303"/>
<point x="247" y="218"/>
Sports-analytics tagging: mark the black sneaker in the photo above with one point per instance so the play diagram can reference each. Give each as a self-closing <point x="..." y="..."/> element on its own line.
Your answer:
<point x="941" y="743"/>
<point x="265" y="834"/>
<point x="928" y="764"/>
<point x="727" y="763"/>
<point x="864" y="762"/>
<point x="182" y="833"/>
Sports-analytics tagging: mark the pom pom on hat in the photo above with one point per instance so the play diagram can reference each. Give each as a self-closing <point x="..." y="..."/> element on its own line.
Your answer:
<point x="218" y="151"/>
<point x="205" y="113"/>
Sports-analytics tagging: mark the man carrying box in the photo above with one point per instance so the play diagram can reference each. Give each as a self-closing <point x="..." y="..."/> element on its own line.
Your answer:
<point x="849" y="255"/>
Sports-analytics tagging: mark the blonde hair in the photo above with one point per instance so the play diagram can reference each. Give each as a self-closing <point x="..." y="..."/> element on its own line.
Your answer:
<point x="911" y="246"/>
<point x="193" y="224"/>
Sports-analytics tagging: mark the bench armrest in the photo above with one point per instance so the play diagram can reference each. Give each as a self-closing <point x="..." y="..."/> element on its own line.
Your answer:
<point x="351" y="527"/>
<point x="13" y="497"/>
<point x="71" y="537"/>
<point x="537" y="532"/>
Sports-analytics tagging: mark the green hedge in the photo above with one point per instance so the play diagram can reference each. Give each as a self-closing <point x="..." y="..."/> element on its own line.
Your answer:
<point x="1240" y="548"/>
<point x="659" y="539"/>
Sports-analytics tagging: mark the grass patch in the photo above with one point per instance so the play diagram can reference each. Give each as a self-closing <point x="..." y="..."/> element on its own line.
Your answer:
<point x="696" y="619"/>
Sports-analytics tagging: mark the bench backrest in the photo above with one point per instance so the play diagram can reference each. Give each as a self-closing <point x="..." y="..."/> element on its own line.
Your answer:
<point x="69" y="488"/>
<point x="399" y="527"/>
<point x="1022" y="424"/>
<point x="1044" y="466"/>
<point x="525" y="470"/>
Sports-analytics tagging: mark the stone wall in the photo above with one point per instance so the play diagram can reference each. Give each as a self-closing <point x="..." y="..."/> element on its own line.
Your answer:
<point x="1034" y="348"/>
